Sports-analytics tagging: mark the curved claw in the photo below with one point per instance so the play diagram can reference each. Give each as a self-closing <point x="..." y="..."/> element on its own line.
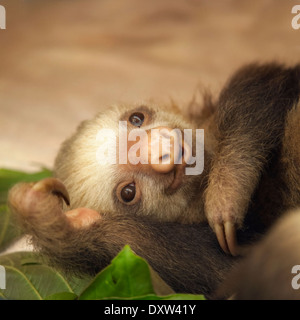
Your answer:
<point x="54" y="186"/>
<point x="219" y="230"/>
<point x="230" y="232"/>
<point x="226" y="235"/>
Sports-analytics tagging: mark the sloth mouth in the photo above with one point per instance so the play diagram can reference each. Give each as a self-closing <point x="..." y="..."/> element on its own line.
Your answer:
<point x="177" y="181"/>
<point x="183" y="159"/>
<point x="179" y="173"/>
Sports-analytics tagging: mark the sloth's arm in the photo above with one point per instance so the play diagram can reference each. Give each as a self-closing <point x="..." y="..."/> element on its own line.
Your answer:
<point x="250" y="117"/>
<point x="83" y="241"/>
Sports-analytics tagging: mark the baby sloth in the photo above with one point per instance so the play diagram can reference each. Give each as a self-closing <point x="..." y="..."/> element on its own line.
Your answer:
<point x="141" y="175"/>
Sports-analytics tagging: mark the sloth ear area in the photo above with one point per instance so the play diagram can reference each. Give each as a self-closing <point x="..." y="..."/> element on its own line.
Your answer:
<point x="201" y="106"/>
<point x="82" y="217"/>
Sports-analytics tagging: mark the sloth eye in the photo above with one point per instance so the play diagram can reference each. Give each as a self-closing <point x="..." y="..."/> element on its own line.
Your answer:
<point x="136" y="119"/>
<point x="128" y="193"/>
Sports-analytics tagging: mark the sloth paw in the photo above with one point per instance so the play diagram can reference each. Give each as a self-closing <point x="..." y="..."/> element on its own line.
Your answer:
<point x="225" y="205"/>
<point x="35" y="197"/>
<point x="225" y="226"/>
<point x="226" y="235"/>
<point x="79" y="217"/>
<point x="43" y="200"/>
<point x="52" y="186"/>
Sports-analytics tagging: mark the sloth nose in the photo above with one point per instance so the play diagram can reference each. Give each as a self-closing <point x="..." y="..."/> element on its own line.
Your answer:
<point x="166" y="149"/>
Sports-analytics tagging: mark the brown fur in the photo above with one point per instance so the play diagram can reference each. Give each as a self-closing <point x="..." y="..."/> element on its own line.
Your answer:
<point x="251" y="115"/>
<point x="199" y="268"/>
<point x="251" y="132"/>
<point x="266" y="274"/>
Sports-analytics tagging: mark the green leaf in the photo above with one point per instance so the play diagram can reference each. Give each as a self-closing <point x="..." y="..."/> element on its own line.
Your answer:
<point x="62" y="296"/>
<point x="177" y="296"/>
<point x="27" y="278"/>
<point x="182" y="296"/>
<point x="10" y="177"/>
<point x="8" y="230"/>
<point x="127" y="276"/>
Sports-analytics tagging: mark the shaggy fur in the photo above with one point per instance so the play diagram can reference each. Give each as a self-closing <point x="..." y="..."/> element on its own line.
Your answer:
<point x="251" y="176"/>
<point x="251" y="115"/>
<point x="93" y="185"/>
<point x="187" y="257"/>
<point x="266" y="274"/>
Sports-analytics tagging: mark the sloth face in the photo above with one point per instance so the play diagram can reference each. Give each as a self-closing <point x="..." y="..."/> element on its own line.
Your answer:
<point x="143" y="160"/>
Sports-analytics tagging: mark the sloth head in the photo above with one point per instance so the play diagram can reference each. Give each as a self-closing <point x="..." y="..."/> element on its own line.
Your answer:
<point x="143" y="160"/>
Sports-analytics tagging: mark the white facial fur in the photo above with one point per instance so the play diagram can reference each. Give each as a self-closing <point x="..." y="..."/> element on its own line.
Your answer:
<point x="93" y="185"/>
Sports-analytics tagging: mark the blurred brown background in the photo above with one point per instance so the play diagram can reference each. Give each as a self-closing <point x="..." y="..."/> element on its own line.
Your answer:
<point x="61" y="61"/>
